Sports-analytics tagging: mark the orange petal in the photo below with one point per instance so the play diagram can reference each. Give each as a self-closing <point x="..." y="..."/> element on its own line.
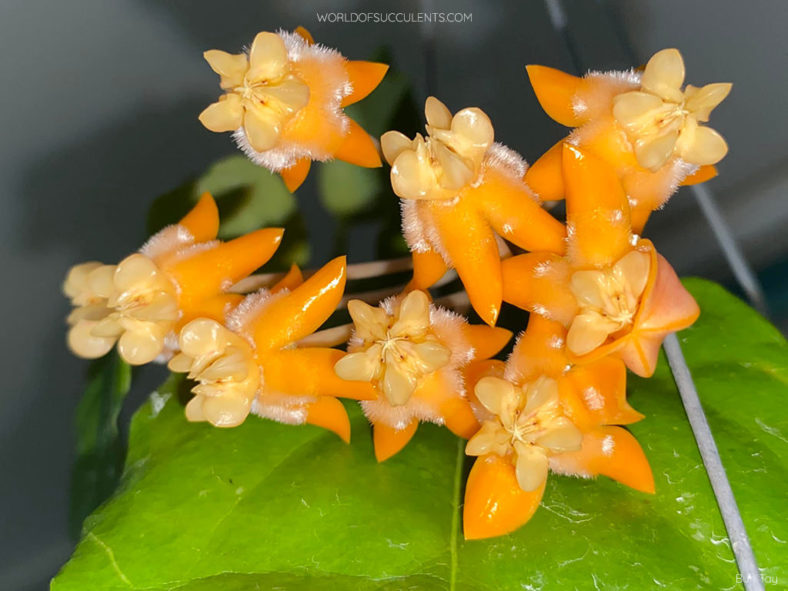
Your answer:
<point x="428" y="267"/>
<point x="516" y="215"/>
<point x="472" y="247"/>
<point x="293" y="279"/>
<point x="389" y="441"/>
<point x="486" y="340"/>
<point x="358" y="148"/>
<point x="209" y="272"/>
<point x="540" y="350"/>
<point x="295" y="175"/>
<point x="215" y="308"/>
<point x="703" y="174"/>
<point x="639" y="216"/>
<point x="595" y="394"/>
<point x="494" y="502"/>
<point x="459" y="418"/>
<point x="202" y="221"/>
<point x="299" y="313"/>
<point x="539" y="282"/>
<point x="365" y="77"/>
<point x="304" y="34"/>
<point x="310" y="372"/>
<point x="555" y="91"/>
<point x="545" y="176"/>
<point x="597" y="210"/>
<point x="330" y="414"/>
<point x="611" y="451"/>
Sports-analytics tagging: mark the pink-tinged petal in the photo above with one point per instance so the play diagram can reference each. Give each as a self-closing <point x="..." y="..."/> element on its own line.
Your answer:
<point x="494" y="502"/>
<point x="608" y="451"/>
<point x="539" y="282"/>
<point x="597" y="210"/>
<point x="667" y="307"/>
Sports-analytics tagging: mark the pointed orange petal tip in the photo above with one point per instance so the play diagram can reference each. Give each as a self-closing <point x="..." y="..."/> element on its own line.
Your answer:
<point x="294" y="176"/>
<point x="304" y="34"/>
<point x="703" y="174"/>
<point x="364" y="77"/>
<point x="389" y="441"/>
<point x="359" y="148"/>
<point x="428" y="268"/>
<point x="555" y="90"/>
<point x="494" y="503"/>
<point x="203" y="219"/>
<point x="330" y="414"/>
<point x="290" y="281"/>
<point x="545" y="176"/>
<point x="486" y="341"/>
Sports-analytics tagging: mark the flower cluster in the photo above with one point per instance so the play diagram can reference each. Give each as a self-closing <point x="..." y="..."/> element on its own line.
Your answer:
<point x="643" y="124"/>
<point x="284" y="102"/>
<point x="600" y="298"/>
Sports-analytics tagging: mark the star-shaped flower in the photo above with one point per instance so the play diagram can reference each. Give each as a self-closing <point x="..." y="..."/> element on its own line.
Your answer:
<point x="614" y="292"/>
<point x="643" y="124"/>
<point x="284" y="101"/>
<point x="461" y="193"/>
<point x="253" y="362"/>
<point x="544" y="413"/>
<point x="412" y="353"/>
<point x="180" y="274"/>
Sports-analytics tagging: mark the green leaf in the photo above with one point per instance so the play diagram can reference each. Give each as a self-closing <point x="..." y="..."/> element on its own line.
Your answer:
<point x="249" y="197"/>
<point x="274" y="506"/>
<point x="100" y="449"/>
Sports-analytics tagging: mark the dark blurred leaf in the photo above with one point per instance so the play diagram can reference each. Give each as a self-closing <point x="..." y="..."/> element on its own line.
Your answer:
<point x="100" y="449"/>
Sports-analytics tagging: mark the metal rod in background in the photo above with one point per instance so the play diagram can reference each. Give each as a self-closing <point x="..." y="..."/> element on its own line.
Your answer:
<point x="739" y="265"/>
<point x="740" y="542"/>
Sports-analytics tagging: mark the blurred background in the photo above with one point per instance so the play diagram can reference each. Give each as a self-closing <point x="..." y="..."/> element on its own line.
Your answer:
<point x="99" y="117"/>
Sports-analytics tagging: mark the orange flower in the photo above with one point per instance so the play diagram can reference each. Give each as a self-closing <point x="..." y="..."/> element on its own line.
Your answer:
<point x="253" y="362"/>
<point x="461" y="193"/>
<point x="180" y="274"/>
<point x="545" y="413"/>
<point x="284" y="100"/>
<point x="412" y="354"/>
<point x="614" y="292"/>
<point x="643" y="124"/>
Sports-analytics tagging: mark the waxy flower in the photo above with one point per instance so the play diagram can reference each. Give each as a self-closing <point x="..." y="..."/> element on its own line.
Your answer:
<point x="546" y="414"/>
<point x="284" y="101"/>
<point x="412" y="352"/>
<point x="253" y="362"/>
<point x="646" y="126"/>
<point x="180" y="274"/>
<point x="461" y="193"/>
<point x="613" y="291"/>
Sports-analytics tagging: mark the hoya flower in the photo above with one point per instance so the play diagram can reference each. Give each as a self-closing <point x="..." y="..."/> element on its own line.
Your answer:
<point x="180" y="274"/>
<point x="461" y="193"/>
<point x="412" y="353"/>
<point x="645" y="125"/>
<point x="544" y="414"/>
<point x="253" y="362"/>
<point x="284" y="102"/>
<point x="615" y="294"/>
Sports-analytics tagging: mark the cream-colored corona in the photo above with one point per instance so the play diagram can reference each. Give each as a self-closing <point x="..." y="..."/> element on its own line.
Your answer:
<point x="224" y="365"/>
<point x="608" y="299"/>
<point x="396" y="349"/>
<point x="528" y="424"/>
<point x="662" y="120"/>
<point x="446" y="160"/>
